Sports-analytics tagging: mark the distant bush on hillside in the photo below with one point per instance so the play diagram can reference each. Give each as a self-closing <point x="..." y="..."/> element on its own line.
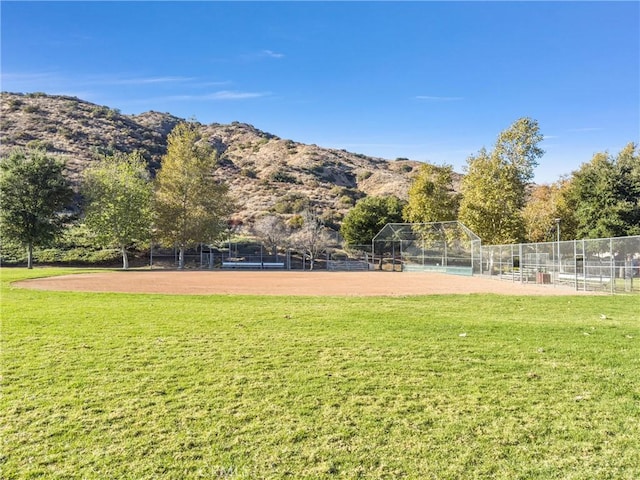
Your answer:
<point x="291" y="203"/>
<point x="283" y="177"/>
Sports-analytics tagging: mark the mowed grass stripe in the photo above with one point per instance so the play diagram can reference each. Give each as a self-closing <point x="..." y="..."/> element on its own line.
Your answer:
<point x="470" y="386"/>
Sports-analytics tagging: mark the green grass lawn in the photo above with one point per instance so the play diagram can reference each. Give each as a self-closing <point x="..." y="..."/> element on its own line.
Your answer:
<point x="109" y="386"/>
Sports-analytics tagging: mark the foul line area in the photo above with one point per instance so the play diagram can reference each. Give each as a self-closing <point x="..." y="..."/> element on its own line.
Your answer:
<point x="299" y="283"/>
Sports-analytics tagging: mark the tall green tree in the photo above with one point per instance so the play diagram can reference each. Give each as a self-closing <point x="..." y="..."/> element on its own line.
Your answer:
<point x="367" y="218"/>
<point x="518" y="146"/>
<point x="432" y="197"/>
<point x="494" y="188"/>
<point x="606" y="195"/>
<point x="191" y="206"/>
<point x="33" y="193"/>
<point x="492" y="200"/>
<point x="118" y="194"/>
<point x="628" y="169"/>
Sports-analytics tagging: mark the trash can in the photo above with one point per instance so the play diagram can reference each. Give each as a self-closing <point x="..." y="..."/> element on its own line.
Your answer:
<point x="544" y="278"/>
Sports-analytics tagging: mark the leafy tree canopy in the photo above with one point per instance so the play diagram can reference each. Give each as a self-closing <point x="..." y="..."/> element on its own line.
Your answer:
<point x="34" y="193"/>
<point x="367" y="218"/>
<point x="606" y="195"/>
<point x="518" y="146"/>
<point x="494" y="189"/>
<point x="492" y="200"/>
<point x="545" y="204"/>
<point x="118" y="195"/>
<point x="432" y="197"/>
<point x="191" y="206"/>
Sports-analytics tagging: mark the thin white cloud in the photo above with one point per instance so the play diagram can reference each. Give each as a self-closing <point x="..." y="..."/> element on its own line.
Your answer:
<point x="234" y="95"/>
<point x="120" y="79"/>
<point x="148" y="80"/>
<point x="260" y="56"/>
<point x="222" y="95"/>
<point x="22" y="77"/>
<point x="52" y="79"/>
<point x="32" y="81"/>
<point x="384" y="145"/>
<point x="212" y="84"/>
<point x="272" y="54"/>
<point x="431" y="98"/>
<point x="51" y="83"/>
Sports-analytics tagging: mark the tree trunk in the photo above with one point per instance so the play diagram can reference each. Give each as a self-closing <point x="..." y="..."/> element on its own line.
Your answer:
<point x="30" y="256"/>
<point x="125" y="258"/>
<point x="181" y="258"/>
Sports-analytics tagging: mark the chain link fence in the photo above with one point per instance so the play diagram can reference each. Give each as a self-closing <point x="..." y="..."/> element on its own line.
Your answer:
<point x="352" y="258"/>
<point x="602" y="265"/>
<point x="447" y="247"/>
<point x="205" y="257"/>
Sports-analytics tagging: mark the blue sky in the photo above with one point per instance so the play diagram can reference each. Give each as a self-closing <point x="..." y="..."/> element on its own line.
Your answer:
<point x="429" y="81"/>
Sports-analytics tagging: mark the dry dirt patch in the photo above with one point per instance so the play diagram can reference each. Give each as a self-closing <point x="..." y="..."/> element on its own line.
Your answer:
<point x="286" y="283"/>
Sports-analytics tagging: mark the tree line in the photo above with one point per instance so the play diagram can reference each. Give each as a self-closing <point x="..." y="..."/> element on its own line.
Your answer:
<point x="499" y="203"/>
<point x="123" y="207"/>
<point x="185" y="205"/>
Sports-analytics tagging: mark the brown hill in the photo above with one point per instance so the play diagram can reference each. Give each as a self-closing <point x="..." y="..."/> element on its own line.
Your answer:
<point x="265" y="173"/>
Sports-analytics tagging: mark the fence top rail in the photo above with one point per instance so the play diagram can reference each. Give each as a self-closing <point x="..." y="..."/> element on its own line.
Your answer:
<point x="404" y="231"/>
<point x="586" y="240"/>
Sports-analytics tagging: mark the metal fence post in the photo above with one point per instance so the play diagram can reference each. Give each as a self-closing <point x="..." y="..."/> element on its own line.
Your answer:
<point x="613" y="266"/>
<point x="521" y="263"/>
<point x="584" y="266"/>
<point x="575" y="262"/>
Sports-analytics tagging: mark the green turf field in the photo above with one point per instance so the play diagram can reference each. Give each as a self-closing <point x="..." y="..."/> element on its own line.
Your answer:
<point x="109" y="386"/>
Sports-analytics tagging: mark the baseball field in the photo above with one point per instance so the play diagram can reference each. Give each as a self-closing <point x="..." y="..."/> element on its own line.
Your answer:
<point x="270" y="375"/>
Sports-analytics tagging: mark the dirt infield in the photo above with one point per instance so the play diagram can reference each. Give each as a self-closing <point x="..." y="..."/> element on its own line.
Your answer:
<point x="286" y="283"/>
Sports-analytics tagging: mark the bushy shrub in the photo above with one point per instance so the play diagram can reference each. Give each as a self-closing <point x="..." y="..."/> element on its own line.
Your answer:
<point x="12" y="253"/>
<point x="78" y="255"/>
<point x="346" y="201"/>
<point x="75" y="247"/>
<point x="352" y="194"/>
<point x="296" y="221"/>
<point x="363" y="175"/>
<point x="31" y="109"/>
<point x="15" y="104"/>
<point x="37" y="144"/>
<point x="65" y="132"/>
<point x="283" y="177"/>
<point x="332" y="220"/>
<point x="248" y="173"/>
<point x="291" y="203"/>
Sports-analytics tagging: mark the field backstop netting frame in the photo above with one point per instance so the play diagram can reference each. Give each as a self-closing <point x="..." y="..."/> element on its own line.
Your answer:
<point x="447" y="247"/>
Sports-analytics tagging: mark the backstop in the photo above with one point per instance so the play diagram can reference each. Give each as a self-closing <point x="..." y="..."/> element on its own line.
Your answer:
<point x="448" y="247"/>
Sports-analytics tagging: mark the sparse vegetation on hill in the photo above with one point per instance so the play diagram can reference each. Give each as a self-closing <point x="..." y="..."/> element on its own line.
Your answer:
<point x="267" y="174"/>
<point x="260" y="168"/>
